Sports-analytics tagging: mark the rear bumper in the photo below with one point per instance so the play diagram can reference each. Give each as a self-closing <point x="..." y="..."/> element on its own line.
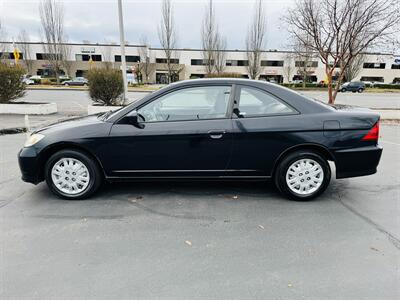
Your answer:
<point x="29" y="165"/>
<point x="357" y="161"/>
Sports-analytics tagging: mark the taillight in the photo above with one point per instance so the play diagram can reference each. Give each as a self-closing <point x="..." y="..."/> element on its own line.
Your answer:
<point x="373" y="134"/>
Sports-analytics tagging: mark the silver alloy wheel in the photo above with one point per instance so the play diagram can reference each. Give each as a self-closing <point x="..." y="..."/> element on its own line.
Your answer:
<point x="70" y="176"/>
<point x="304" y="176"/>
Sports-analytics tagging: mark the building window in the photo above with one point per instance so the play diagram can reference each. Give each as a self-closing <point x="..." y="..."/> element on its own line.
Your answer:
<point x="309" y="64"/>
<point x="47" y="56"/>
<point x="164" y="60"/>
<point x="374" y="65"/>
<point x="10" y="55"/>
<point x="128" y="58"/>
<point x="372" y="79"/>
<point x="237" y="63"/>
<point x="162" y="78"/>
<point x="395" y="66"/>
<point x="272" y="63"/>
<point x="200" y="62"/>
<point x="196" y="76"/>
<point x="86" y="57"/>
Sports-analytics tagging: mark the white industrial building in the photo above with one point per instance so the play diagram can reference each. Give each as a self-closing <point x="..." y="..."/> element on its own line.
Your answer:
<point x="377" y="67"/>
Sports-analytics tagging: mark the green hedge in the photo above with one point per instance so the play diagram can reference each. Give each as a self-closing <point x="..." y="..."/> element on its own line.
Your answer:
<point x="386" y="86"/>
<point x="11" y="85"/>
<point x="106" y="86"/>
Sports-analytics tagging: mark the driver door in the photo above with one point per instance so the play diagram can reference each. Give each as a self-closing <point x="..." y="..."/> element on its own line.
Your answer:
<point x="187" y="132"/>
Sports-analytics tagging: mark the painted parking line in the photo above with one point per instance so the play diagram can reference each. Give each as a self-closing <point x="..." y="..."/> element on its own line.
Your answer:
<point x="388" y="142"/>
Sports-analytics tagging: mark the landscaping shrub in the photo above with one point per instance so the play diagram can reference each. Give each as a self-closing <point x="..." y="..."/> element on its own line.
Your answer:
<point x="223" y="75"/>
<point x="11" y="85"/>
<point x="106" y="86"/>
<point x="386" y="86"/>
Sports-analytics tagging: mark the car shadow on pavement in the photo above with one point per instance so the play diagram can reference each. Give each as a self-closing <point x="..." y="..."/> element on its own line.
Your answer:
<point x="204" y="202"/>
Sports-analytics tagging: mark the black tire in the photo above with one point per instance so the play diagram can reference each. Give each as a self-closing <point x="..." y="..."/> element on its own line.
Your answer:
<point x="93" y="168"/>
<point x="360" y="90"/>
<point x="287" y="161"/>
<point x="66" y="84"/>
<point x="343" y="90"/>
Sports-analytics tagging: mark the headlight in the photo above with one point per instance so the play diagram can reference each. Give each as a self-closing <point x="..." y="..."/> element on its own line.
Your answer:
<point x="33" y="139"/>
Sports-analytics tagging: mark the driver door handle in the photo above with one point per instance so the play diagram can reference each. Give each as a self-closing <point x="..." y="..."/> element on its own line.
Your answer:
<point x="216" y="134"/>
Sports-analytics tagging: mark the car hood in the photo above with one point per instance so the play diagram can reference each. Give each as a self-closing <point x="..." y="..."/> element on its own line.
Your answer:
<point x="70" y="123"/>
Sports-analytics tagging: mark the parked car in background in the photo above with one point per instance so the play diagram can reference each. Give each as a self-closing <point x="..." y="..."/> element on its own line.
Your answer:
<point x="297" y="81"/>
<point x="207" y="129"/>
<point x="27" y="80"/>
<point x="35" y="78"/>
<point x="78" y="81"/>
<point x="353" y="86"/>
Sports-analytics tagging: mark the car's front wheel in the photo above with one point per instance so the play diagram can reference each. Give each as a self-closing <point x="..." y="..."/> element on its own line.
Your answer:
<point x="343" y="90"/>
<point x="303" y="175"/>
<point x="72" y="174"/>
<point x="360" y="90"/>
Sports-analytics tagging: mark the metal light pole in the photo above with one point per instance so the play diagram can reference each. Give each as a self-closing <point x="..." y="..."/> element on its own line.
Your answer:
<point x="122" y="45"/>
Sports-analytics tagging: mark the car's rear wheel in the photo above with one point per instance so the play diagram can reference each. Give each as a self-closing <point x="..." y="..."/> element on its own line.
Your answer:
<point x="360" y="90"/>
<point x="303" y="175"/>
<point x="71" y="174"/>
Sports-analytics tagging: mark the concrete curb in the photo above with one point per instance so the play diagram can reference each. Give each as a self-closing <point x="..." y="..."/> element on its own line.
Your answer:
<point x="28" y="108"/>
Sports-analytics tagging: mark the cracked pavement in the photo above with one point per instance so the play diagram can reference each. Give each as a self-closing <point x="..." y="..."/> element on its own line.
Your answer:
<point x="192" y="240"/>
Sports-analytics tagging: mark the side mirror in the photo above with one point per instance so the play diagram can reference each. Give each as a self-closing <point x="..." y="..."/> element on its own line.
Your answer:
<point x="133" y="119"/>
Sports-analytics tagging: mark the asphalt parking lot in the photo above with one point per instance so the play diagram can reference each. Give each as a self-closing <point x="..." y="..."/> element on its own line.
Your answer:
<point x="202" y="240"/>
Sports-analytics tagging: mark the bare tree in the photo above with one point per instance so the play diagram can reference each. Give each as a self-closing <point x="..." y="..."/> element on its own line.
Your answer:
<point x="354" y="67"/>
<point x="23" y="43"/>
<point x="52" y="19"/>
<point x="208" y="35"/>
<point x="168" y="38"/>
<point x="255" y="40"/>
<point x="213" y="42"/>
<point x="66" y="63"/>
<point x="220" y="54"/>
<point x="146" y="67"/>
<point x="3" y="38"/>
<point x="288" y="66"/>
<point x="340" y="30"/>
<point x="304" y="59"/>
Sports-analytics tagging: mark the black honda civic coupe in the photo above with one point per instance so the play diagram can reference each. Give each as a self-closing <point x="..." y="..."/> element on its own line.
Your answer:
<point x="207" y="129"/>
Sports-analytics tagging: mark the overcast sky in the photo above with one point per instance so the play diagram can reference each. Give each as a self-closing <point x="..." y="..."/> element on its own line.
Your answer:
<point x="97" y="20"/>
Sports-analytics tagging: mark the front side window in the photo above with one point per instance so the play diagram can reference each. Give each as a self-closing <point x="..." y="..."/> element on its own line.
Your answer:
<point x="254" y="102"/>
<point x="195" y="103"/>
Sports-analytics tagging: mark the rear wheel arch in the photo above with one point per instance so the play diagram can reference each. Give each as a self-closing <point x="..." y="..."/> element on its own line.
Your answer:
<point x="319" y="149"/>
<point x="49" y="151"/>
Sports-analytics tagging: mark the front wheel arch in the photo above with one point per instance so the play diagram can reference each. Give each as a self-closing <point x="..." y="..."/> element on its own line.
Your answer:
<point x="49" y="151"/>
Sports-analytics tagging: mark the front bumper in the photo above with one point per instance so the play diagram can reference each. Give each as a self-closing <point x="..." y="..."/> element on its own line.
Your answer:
<point x="28" y="161"/>
<point x="357" y="161"/>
